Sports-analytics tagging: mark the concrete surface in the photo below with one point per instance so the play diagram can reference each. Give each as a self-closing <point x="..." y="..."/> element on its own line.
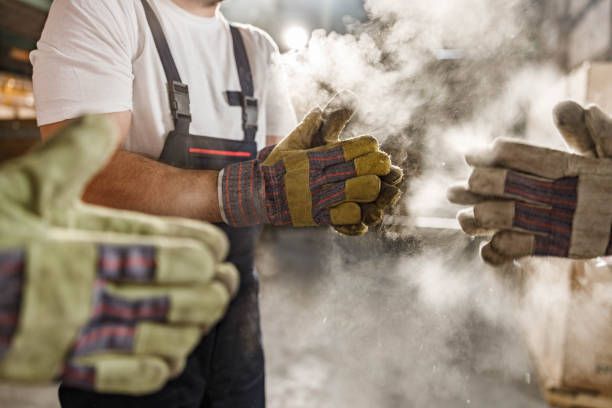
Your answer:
<point x="343" y="329"/>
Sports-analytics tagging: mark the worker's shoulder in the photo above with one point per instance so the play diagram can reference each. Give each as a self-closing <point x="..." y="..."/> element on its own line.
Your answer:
<point x="262" y="41"/>
<point x="96" y="8"/>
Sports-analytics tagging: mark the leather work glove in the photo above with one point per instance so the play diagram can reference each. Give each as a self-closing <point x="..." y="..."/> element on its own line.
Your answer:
<point x="101" y="299"/>
<point x="539" y="201"/>
<point x="295" y="184"/>
<point x="336" y="115"/>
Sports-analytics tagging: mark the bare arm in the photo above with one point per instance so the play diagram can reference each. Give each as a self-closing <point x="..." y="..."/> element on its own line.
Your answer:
<point x="272" y="140"/>
<point x="136" y="183"/>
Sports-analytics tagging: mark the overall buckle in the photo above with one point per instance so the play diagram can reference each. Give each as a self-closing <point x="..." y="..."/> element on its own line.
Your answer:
<point x="179" y="100"/>
<point x="250" y="112"/>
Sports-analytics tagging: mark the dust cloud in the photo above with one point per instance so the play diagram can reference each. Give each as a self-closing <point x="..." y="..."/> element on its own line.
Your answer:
<point x="420" y="322"/>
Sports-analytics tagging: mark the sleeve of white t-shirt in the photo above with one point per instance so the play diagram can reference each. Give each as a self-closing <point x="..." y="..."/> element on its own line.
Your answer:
<point x="83" y="61"/>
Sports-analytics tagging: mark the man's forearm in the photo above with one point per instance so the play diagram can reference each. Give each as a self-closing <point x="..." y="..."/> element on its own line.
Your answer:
<point x="136" y="183"/>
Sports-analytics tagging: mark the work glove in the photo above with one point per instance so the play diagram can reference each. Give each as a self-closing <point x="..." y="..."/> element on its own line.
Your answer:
<point x="336" y="116"/>
<point x="539" y="201"/>
<point x="100" y="299"/>
<point x="295" y="184"/>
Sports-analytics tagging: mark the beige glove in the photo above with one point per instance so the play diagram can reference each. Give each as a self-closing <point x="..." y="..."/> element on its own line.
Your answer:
<point x="538" y="201"/>
<point x="105" y="300"/>
<point x="586" y="131"/>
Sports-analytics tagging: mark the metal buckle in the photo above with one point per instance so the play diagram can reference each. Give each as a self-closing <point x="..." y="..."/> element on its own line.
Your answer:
<point x="250" y="108"/>
<point x="179" y="100"/>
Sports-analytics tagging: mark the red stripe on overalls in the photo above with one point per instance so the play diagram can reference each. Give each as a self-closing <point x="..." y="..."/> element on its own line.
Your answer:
<point x="219" y="152"/>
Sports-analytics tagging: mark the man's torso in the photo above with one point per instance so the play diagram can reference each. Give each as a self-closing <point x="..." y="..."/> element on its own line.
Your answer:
<point x="70" y="77"/>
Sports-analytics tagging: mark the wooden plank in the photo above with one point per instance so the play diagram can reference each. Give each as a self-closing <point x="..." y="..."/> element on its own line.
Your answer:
<point x="564" y="399"/>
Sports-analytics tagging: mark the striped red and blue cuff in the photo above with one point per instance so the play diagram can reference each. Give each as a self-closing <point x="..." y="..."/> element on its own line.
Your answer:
<point x="127" y="263"/>
<point x="12" y="267"/>
<point x="242" y="194"/>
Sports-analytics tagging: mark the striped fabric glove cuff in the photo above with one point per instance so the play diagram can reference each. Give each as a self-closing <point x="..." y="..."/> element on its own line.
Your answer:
<point x="11" y="285"/>
<point x="241" y="193"/>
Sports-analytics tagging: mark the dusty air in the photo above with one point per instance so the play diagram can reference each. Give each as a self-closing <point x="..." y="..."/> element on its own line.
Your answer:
<point x="305" y="203"/>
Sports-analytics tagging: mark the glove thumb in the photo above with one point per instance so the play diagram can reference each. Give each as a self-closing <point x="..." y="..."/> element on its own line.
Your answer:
<point x="319" y="127"/>
<point x="55" y="173"/>
<point x="586" y="131"/>
<point x="336" y="115"/>
<point x="302" y="136"/>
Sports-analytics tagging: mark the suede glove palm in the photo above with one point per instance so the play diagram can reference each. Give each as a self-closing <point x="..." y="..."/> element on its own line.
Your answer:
<point x="295" y="184"/>
<point x="538" y="201"/>
<point x="104" y="300"/>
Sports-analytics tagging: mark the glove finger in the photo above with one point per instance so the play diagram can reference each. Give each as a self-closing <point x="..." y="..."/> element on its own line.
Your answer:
<point x="201" y="305"/>
<point x="375" y="163"/>
<point x="506" y="246"/>
<point x="509" y="215"/>
<point x="599" y="125"/>
<point x="352" y="230"/>
<point x="302" y="137"/>
<point x="170" y="342"/>
<point x="534" y="160"/>
<point x="60" y="168"/>
<point x="470" y="225"/>
<point x="492" y="257"/>
<point x="395" y="176"/>
<point x="372" y="214"/>
<point x="94" y="218"/>
<point x="495" y="182"/>
<point x="345" y="214"/>
<point x="494" y="215"/>
<point x="144" y="339"/>
<point x="161" y="260"/>
<point x="364" y="189"/>
<point x="569" y="117"/>
<point x="462" y="196"/>
<point x="117" y="374"/>
<point x="389" y="196"/>
<point x="337" y="114"/>
<point x="334" y="123"/>
<point x="228" y="275"/>
<point x="349" y="149"/>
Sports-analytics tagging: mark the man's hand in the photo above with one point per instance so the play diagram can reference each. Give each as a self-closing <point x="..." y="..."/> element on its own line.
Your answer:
<point x="311" y="178"/>
<point x="336" y="115"/>
<point x="538" y="201"/>
<point x="105" y="300"/>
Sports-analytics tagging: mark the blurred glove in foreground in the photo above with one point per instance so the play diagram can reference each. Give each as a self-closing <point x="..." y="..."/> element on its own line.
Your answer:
<point x="101" y="299"/>
<point x="539" y="201"/>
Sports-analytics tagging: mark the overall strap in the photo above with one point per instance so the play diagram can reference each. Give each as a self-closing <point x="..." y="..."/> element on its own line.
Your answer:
<point x="178" y="92"/>
<point x="245" y="99"/>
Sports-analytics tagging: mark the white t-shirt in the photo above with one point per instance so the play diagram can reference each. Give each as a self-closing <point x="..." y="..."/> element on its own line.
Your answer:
<point x="99" y="56"/>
